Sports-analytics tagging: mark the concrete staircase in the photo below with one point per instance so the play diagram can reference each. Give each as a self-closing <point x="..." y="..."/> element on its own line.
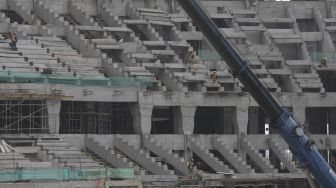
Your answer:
<point x="208" y="157"/>
<point x="263" y="163"/>
<point x="281" y="154"/>
<point x="281" y="65"/>
<point x="246" y="48"/>
<point x="61" y="154"/>
<point x="81" y="15"/>
<point x="150" y="32"/>
<point x="233" y="158"/>
<point x="73" y="35"/>
<point x="17" y="160"/>
<point x="141" y="157"/>
<point x="111" y="156"/>
<point x="168" y="156"/>
<point x="132" y="52"/>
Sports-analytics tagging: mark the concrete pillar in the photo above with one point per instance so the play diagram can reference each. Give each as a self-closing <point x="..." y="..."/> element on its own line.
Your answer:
<point x="299" y="112"/>
<point x="241" y="121"/>
<point x="184" y="119"/>
<point x="142" y="118"/>
<point x="241" y="118"/>
<point x="241" y="127"/>
<point x="54" y="108"/>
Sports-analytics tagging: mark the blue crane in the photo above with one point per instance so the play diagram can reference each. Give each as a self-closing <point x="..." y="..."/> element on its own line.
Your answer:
<point x="301" y="146"/>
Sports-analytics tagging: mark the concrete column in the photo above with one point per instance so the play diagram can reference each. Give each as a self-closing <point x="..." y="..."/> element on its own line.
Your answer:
<point x="184" y="119"/>
<point x="241" y="119"/>
<point x="299" y="112"/>
<point x="54" y="108"/>
<point x="241" y="127"/>
<point x="142" y="118"/>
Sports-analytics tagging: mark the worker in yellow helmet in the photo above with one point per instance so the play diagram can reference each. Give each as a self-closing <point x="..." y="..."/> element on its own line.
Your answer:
<point x="323" y="63"/>
<point x="191" y="55"/>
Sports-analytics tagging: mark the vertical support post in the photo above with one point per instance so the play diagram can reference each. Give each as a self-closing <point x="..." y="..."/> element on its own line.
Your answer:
<point x="142" y="118"/>
<point x="299" y="112"/>
<point x="241" y="119"/>
<point x="184" y="119"/>
<point x="54" y="108"/>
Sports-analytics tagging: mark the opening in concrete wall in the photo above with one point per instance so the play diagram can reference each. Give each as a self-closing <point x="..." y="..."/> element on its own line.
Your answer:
<point x="333" y="37"/>
<point x="162" y="120"/>
<point x="307" y="25"/>
<point x="183" y="26"/>
<point x="257" y="121"/>
<point x="242" y="23"/>
<point x="321" y="120"/>
<point x="95" y="118"/>
<point x="278" y="25"/>
<point x="215" y="120"/>
<point x="328" y="79"/>
<point x="222" y="22"/>
<point x="291" y="51"/>
<point x="256" y="37"/>
<point x="114" y="54"/>
<point x="139" y="31"/>
<point x="164" y="32"/>
<point x="13" y="16"/>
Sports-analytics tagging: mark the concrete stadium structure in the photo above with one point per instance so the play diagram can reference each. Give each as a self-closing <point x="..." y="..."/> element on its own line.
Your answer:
<point x="121" y="92"/>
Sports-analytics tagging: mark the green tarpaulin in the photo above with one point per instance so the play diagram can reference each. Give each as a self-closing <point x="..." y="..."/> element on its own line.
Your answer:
<point x="64" y="174"/>
<point x="27" y="77"/>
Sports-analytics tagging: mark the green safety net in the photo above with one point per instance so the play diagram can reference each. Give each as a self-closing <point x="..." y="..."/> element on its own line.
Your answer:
<point x="318" y="56"/>
<point x="209" y="55"/>
<point x="7" y="76"/>
<point x="64" y="174"/>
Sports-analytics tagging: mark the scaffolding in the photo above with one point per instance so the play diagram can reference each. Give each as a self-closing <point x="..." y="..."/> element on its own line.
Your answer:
<point x="23" y="116"/>
<point x="80" y="117"/>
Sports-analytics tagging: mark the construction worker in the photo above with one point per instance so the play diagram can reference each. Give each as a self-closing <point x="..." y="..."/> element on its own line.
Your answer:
<point x="14" y="40"/>
<point x="191" y="55"/>
<point x="214" y="75"/>
<point x="323" y="63"/>
<point x="190" y="166"/>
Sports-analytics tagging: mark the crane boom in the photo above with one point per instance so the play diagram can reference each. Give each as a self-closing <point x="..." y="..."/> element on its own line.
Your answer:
<point x="300" y="145"/>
